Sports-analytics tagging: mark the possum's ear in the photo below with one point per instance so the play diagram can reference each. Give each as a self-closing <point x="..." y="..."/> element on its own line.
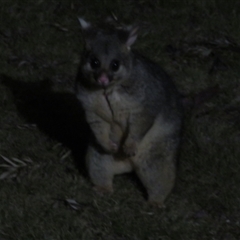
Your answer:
<point x="128" y="35"/>
<point x="87" y="32"/>
<point x="84" y="24"/>
<point x="132" y="35"/>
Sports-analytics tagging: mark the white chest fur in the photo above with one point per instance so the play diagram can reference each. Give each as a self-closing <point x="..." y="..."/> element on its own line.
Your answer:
<point x="112" y="105"/>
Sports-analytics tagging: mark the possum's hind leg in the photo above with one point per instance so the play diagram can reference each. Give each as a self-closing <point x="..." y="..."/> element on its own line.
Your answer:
<point x="102" y="167"/>
<point x="155" y="163"/>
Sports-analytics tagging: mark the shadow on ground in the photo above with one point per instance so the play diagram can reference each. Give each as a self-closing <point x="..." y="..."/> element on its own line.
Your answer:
<point x="59" y="115"/>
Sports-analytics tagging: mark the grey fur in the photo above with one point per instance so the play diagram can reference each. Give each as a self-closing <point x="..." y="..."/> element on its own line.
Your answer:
<point x="136" y="118"/>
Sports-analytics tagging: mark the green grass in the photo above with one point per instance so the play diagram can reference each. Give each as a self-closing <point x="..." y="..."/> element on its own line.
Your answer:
<point x="45" y="194"/>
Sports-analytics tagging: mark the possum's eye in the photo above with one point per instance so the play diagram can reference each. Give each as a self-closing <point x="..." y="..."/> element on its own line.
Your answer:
<point x="115" y="65"/>
<point x="95" y="63"/>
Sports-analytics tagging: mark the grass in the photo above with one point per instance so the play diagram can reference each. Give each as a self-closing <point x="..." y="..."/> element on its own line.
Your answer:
<point x="44" y="191"/>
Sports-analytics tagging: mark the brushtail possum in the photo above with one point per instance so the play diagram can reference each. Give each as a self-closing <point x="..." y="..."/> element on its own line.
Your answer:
<point x="133" y="110"/>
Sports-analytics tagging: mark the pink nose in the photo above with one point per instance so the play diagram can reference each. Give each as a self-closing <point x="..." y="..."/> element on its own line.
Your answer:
<point x="103" y="79"/>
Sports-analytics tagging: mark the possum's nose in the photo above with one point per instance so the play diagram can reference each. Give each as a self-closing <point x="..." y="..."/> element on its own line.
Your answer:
<point x="103" y="79"/>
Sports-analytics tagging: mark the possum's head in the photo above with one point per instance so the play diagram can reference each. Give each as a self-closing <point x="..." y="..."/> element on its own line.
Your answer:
<point x="106" y="59"/>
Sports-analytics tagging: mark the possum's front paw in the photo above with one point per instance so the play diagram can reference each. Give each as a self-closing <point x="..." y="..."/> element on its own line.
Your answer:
<point x="130" y="148"/>
<point x="113" y="146"/>
<point x="110" y="147"/>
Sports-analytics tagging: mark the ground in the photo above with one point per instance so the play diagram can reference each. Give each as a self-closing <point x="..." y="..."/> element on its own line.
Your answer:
<point x="44" y="190"/>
